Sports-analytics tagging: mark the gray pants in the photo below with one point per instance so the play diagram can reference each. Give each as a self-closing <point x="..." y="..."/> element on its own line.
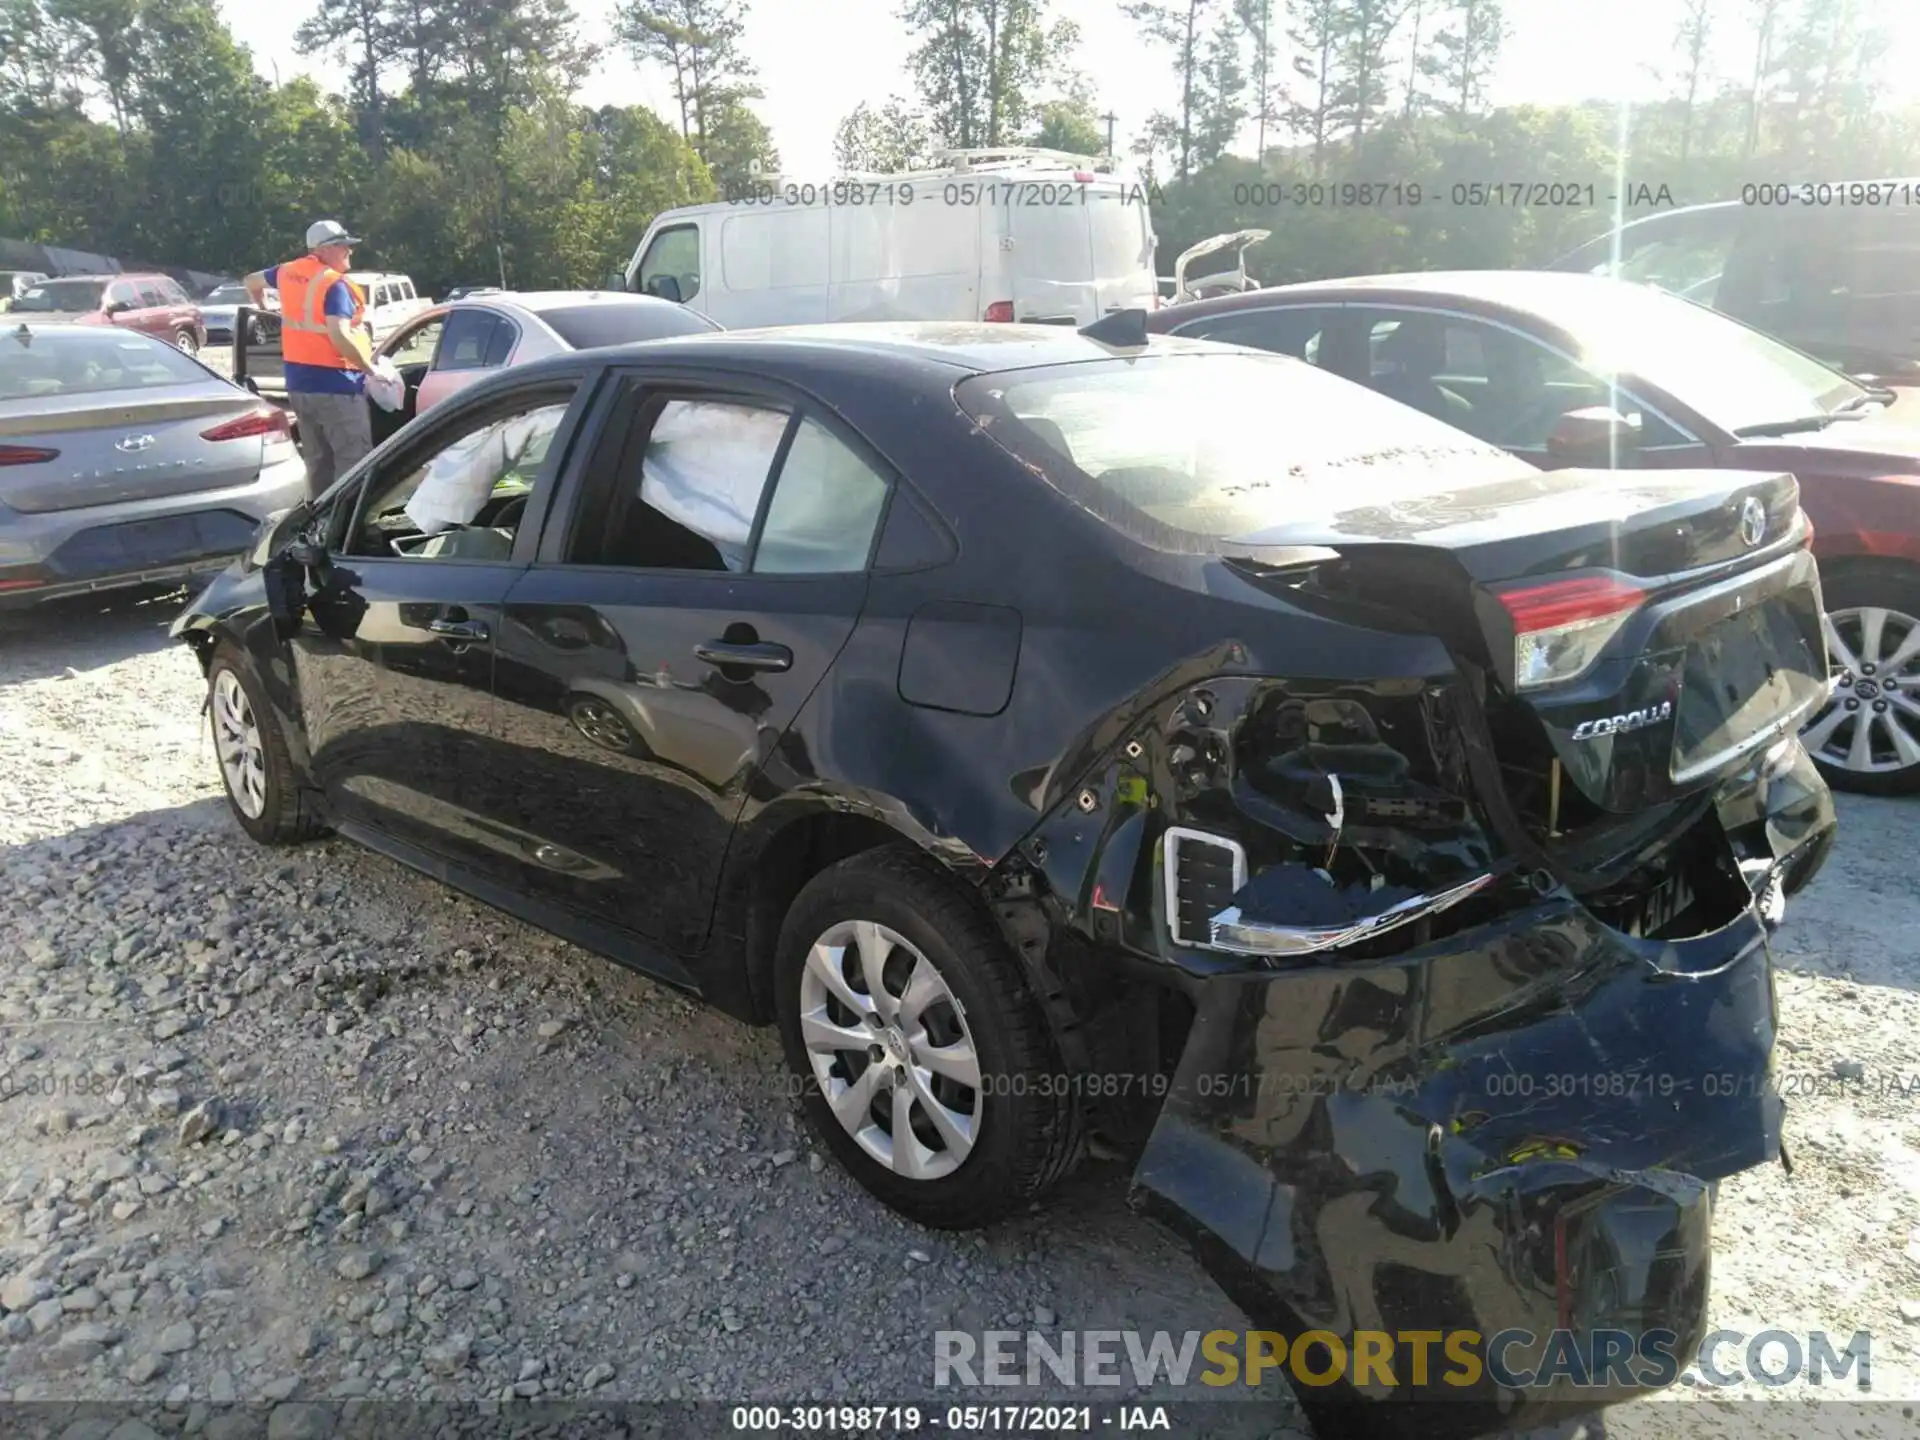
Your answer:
<point x="336" y="432"/>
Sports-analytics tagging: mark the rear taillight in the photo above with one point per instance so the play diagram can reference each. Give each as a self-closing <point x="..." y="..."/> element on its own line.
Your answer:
<point x="268" y="420"/>
<point x="1000" y="312"/>
<point x="26" y="455"/>
<point x="18" y="584"/>
<point x="1083" y="177"/>
<point x="1560" y="628"/>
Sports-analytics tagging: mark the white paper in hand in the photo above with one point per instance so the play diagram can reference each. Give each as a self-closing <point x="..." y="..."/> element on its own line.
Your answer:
<point x="384" y="385"/>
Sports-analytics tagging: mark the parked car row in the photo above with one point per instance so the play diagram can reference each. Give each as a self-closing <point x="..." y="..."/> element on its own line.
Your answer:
<point x="1343" y="694"/>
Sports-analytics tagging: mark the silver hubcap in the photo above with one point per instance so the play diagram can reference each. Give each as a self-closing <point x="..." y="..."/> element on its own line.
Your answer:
<point x="891" y="1050"/>
<point x="187" y="342"/>
<point x="602" y="724"/>
<point x="236" y="740"/>
<point x="1872" y="723"/>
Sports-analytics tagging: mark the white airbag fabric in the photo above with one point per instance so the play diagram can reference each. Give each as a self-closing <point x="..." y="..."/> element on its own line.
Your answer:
<point x="706" y="465"/>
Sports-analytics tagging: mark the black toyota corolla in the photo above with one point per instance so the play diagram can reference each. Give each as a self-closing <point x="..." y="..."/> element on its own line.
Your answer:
<point x="1064" y="734"/>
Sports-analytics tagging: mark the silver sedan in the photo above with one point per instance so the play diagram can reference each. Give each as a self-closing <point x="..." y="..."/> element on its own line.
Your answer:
<point x="125" y="462"/>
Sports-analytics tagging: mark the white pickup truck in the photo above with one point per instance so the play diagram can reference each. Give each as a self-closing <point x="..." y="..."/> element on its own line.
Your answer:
<point x="391" y="300"/>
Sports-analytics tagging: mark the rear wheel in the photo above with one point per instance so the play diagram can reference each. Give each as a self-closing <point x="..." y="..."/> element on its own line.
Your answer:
<point x="187" y="342"/>
<point x="926" y="1066"/>
<point x="263" y="789"/>
<point x="1867" y="737"/>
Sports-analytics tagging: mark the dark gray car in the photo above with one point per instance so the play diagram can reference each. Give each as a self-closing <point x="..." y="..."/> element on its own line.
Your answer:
<point x="123" y="461"/>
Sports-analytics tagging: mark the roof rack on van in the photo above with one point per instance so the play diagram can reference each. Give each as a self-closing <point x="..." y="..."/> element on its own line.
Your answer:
<point x="1016" y="157"/>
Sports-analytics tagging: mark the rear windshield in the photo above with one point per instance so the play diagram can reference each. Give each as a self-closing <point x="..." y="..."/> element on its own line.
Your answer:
<point x="1182" y="451"/>
<point x="586" y="327"/>
<point x="85" y="361"/>
<point x="228" y="295"/>
<point x="55" y="295"/>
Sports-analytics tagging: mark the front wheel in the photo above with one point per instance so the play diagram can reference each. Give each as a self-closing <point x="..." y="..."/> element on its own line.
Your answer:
<point x="186" y="342"/>
<point x="1867" y="737"/>
<point x="925" y="1064"/>
<point x="263" y="789"/>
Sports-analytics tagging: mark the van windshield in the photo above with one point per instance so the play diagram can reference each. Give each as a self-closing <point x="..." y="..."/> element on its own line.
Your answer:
<point x="1185" y="451"/>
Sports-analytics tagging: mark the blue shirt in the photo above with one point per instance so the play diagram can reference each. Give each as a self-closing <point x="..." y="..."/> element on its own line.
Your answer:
<point x="324" y="379"/>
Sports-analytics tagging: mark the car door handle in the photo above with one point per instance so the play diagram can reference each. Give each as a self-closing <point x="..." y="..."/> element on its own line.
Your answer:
<point x="459" y="629"/>
<point x="745" y="655"/>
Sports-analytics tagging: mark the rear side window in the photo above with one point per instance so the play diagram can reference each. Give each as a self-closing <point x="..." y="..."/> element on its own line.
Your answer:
<point x="152" y="294"/>
<point x="465" y="342"/>
<point x="586" y="327"/>
<point x="83" y="362"/>
<point x="826" y="506"/>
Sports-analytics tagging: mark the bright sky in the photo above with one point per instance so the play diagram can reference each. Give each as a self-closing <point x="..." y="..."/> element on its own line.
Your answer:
<point x="817" y="59"/>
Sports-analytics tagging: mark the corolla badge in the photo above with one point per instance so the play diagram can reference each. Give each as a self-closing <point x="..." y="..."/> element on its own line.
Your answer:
<point x="132" y="444"/>
<point x="1753" y="522"/>
<point x="1621" y="724"/>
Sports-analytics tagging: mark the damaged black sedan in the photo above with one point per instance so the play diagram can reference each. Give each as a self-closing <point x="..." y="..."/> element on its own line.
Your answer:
<point x="1063" y="736"/>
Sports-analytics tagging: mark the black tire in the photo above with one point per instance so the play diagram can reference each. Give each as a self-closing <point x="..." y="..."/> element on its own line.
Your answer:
<point x="1862" y="585"/>
<point x="289" y="816"/>
<point x="1028" y="1129"/>
<point x="186" y="342"/>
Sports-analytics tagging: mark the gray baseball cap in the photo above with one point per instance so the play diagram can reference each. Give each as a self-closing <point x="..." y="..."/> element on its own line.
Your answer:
<point x="329" y="232"/>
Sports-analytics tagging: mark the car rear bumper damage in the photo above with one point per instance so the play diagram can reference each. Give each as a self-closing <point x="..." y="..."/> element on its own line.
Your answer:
<point x="1512" y="1131"/>
<point x="1427" y="1082"/>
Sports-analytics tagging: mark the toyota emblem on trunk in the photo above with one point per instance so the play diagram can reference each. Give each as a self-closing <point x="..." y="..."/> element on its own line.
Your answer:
<point x="1753" y="522"/>
<point x="132" y="443"/>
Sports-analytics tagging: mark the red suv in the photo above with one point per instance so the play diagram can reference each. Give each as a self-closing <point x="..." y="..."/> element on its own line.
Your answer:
<point x="153" y="304"/>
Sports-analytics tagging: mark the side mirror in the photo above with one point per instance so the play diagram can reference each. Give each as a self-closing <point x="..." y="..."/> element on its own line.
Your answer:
<point x="665" y="287"/>
<point x="615" y="281"/>
<point x="119" y="307"/>
<point x="1597" y="435"/>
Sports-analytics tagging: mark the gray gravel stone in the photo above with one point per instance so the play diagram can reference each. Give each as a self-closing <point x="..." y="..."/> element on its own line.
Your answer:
<point x="176" y="1338"/>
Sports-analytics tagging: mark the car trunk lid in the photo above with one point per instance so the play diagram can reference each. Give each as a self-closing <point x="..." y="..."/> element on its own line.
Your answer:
<point x="1632" y="636"/>
<point x="105" y="449"/>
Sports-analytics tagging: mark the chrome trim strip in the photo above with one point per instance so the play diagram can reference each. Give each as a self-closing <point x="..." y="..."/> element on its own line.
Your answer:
<point x="1170" y="871"/>
<point x="1233" y="931"/>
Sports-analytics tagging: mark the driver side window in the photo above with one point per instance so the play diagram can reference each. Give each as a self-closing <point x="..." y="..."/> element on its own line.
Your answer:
<point x="462" y="497"/>
<point x="674" y="256"/>
<point x="416" y="347"/>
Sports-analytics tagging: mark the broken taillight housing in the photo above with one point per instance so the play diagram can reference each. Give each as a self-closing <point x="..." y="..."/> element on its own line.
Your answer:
<point x="1560" y="628"/>
<point x="1000" y="312"/>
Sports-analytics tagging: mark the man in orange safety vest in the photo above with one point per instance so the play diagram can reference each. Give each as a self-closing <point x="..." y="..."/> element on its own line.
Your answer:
<point x="325" y="346"/>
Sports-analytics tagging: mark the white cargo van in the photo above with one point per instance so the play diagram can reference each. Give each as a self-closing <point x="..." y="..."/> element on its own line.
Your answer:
<point x="1013" y="235"/>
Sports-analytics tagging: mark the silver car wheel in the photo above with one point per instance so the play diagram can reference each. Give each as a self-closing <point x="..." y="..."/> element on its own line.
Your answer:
<point x="236" y="740"/>
<point x="890" y="1050"/>
<point x="186" y="344"/>
<point x="1871" y="724"/>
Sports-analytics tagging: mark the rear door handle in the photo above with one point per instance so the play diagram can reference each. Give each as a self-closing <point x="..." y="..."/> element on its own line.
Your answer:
<point x="459" y="629"/>
<point x="745" y="655"/>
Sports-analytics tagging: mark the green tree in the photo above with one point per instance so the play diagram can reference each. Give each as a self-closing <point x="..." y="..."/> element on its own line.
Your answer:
<point x="980" y="64"/>
<point x="1315" y="34"/>
<point x="736" y="146"/>
<point x="1177" y="27"/>
<point x="1466" y="49"/>
<point x="883" y="141"/>
<point x="363" y="33"/>
<point x="698" y="44"/>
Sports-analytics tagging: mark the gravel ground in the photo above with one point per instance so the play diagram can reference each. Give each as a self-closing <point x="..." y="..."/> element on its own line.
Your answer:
<point x="304" y="1124"/>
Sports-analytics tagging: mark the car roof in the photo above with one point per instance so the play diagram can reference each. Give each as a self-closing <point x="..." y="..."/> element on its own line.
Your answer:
<point x="1558" y="295"/>
<point x="538" y="301"/>
<point x="972" y="346"/>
